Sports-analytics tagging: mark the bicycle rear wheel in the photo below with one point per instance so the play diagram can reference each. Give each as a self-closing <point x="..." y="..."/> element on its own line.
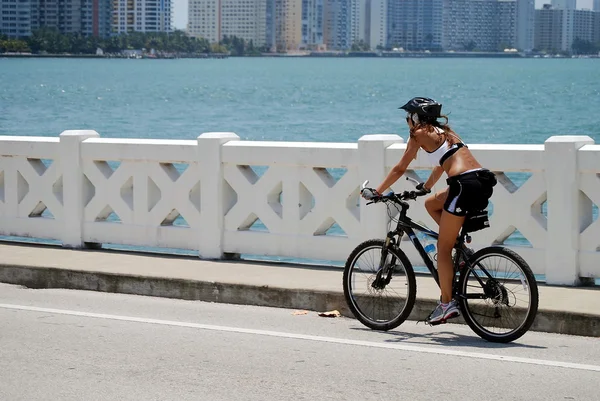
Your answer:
<point x="383" y="306"/>
<point x="499" y="295"/>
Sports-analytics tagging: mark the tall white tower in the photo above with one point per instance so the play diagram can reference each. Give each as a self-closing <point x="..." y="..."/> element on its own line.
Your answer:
<point x="525" y="24"/>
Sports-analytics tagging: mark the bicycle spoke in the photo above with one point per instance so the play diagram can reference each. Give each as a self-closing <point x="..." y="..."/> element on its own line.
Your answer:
<point x="378" y="302"/>
<point x="507" y="297"/>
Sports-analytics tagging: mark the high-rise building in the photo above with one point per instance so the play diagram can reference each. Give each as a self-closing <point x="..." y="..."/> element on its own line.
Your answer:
<point x="346" y="23"/>
<point x="245" y="19"/>
<point x="251" y="20"/>
<point x="270" y="25"/>
<point x="123" y="16"/>
<point x="288" y="24"/>
<point x="416" y="24"/>
<point x="596" y="6"/>
<point x="581" y="23"/>
<point x="525" y="24"/>
<point x="312" y="24"/>
<point x="64" y="15"/>
<point x="596" y="29"/>
<point x="556" y="29"/>
<point x="336" y="29"/>
<point x="204" y="19"/>
<point x="483" y="25"/>
<point x="96" y="17"/>
<point x="564" y="4"/>
<point x="358" y="21"/>
<point x="548" y="29"/>
<point x="141" y="16"/>
<point x="507" y="25"/>
<point x="19" y="18"/>
<point x="90" y="17"/>
<point x="377" y="23"/>
<point x="16" y="17"/>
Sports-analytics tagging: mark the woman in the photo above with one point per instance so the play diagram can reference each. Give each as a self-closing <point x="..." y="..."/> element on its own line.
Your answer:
<point x="469" y="187"/>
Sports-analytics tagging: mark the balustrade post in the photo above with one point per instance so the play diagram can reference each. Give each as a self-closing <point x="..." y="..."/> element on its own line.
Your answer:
<point x="371" y="166"/>
<point x="212" y="194"/>
<point x="74" y="190"/>
<point x="567" y="208"/>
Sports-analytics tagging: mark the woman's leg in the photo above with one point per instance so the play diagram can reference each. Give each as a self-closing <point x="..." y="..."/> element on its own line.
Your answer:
<point x="450" y="226"/>
<point x="435" y="204"/>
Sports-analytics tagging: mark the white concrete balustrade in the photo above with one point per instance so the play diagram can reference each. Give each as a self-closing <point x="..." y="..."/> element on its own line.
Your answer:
<point x="207" y="195"/>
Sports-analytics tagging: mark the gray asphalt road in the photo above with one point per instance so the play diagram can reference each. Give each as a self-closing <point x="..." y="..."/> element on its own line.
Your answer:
<point x="74" y="345"/>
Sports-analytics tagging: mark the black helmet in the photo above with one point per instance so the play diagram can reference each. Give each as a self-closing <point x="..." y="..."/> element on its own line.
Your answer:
<point x="423" y="106"/>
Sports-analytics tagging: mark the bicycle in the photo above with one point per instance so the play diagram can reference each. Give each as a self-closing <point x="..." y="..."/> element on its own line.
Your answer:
<point x="495" y="293"/>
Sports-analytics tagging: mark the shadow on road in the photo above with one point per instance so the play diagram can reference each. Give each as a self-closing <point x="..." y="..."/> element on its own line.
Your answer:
<point x="446" y="338"/>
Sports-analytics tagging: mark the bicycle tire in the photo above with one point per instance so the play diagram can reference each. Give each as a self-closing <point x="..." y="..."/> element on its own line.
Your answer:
<point x="469" y="315"/>
<point x="351" y="300"/>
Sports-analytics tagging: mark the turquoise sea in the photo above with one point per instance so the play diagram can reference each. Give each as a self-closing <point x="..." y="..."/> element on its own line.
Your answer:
<point x="289" y="99"/>
<point x="299" y="99"/>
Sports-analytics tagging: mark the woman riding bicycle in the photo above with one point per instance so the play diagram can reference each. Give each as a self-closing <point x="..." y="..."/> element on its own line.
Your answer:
<point x="469" y="187"/>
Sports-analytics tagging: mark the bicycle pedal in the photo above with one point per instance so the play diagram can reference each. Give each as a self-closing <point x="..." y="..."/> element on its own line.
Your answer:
<point x="443" y="321"/>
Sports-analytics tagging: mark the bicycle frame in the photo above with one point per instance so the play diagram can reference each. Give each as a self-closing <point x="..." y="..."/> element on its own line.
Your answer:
<point x="405" y="225"/>
<point x="408" y="226"/>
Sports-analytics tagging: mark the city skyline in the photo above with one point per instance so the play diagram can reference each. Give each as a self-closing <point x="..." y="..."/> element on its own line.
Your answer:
<point x="180" y="15"/>
<point x="331" y="24"/>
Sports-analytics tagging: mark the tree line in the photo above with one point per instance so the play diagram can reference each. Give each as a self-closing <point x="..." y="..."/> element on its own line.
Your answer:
<point x="581" y="46"/>
<point x="49" y="40"/>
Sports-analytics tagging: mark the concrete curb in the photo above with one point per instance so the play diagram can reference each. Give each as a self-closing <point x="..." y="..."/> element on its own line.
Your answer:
<point x="559" y="322"/>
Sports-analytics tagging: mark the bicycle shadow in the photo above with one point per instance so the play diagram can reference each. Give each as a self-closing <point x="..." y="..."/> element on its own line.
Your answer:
<point x="446" y="338"/>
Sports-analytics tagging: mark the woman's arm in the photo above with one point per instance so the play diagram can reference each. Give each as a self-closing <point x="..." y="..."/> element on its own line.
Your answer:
<point x="396" y="172"/>
<point x="435" y="175"/>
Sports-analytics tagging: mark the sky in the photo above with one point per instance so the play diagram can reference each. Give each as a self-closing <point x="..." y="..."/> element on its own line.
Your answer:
<point x="181" y="7"/>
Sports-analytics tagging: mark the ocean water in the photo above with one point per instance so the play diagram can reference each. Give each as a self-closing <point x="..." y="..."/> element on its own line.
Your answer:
<point x="308" y="99"/>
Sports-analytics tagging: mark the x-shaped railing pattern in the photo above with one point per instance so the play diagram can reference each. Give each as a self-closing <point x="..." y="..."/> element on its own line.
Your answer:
<point x="282" y="198"/>
<point x="39" y="187"/>
<point x="519" y="208"/>
<point x="334" y="202"/>
<point x="257" y="198"/>
<point x="178" y="193"/>
<point x="107" y="197"/>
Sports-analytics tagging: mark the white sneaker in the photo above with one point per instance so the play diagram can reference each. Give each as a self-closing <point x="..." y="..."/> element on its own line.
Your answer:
<point x="443" y="312"/>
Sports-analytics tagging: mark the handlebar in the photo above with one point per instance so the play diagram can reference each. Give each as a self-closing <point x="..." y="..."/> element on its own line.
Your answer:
<point x="416" y="182"/>
<point x="406" y="195"/>
<point x="391" y="196"/>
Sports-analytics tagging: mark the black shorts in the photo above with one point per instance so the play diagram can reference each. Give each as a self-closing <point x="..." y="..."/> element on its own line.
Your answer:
<point x="469" y="192"/>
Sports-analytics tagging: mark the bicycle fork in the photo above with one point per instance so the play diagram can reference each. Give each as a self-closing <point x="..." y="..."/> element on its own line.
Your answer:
<point x="384" y="272"/>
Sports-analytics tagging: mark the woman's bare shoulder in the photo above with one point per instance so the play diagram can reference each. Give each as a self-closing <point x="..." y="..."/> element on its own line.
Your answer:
<point x="419" y="132"/>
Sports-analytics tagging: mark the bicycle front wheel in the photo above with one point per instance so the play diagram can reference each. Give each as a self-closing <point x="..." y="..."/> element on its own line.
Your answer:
<point x="380" y="302"/>
<point x="499" y="299"/>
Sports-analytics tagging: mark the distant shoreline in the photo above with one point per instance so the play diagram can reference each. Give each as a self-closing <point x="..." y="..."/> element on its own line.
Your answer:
<point x="511" y="55"/>
<point x="97" y="56"/>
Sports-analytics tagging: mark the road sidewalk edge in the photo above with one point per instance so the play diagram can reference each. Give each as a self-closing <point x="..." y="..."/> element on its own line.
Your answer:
<point x="35" y="277"/>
